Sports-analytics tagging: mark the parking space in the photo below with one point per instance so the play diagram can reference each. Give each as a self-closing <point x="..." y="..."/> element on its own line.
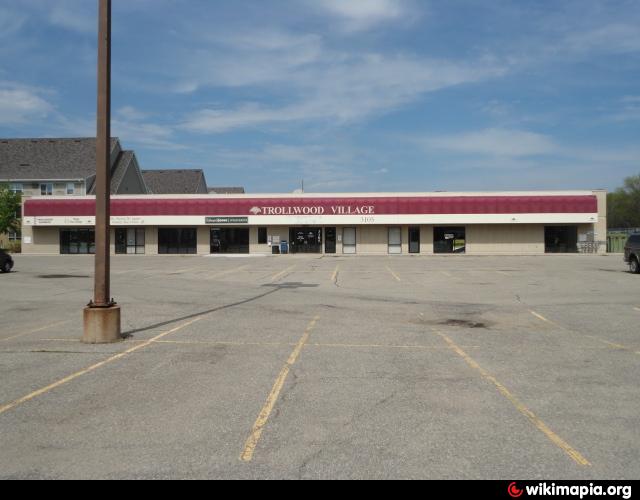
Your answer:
<point x="324" y="367"/>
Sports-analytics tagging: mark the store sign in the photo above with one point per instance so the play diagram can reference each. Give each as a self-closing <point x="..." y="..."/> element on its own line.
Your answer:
<point x="226" y="220"/>
<point x="315" y="210"/>
<point x="127" y="221"/>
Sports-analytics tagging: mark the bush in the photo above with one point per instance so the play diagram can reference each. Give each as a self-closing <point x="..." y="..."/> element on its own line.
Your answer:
<point x="14" y="247"/>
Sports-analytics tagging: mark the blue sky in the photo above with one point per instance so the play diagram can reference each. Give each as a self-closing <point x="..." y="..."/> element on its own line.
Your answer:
<point x="351" y="95"/>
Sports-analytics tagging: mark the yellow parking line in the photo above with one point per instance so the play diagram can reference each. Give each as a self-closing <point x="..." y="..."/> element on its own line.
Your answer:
<point x="92" y="368"/>
<point x="228" y="271"/>
<point x="224" y="343"/>
<point x="53" y="325"/>
<point x="334" y="276"/>
<point x="182" y="271"/>
<point x="636" y="309"/>
<point x="393" y="274"/>
<point x="265" y="413"/>
<point x="614" y="345"/>
<point x="279" y="275"/>
<point x="540" y="316"/>
<point x="382" y="346"/>
<point x="539" y="424"/>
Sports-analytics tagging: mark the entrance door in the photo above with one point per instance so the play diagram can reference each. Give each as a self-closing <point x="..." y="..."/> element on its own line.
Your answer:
<point x="330" y="240"/>
<point x="349" y="240"/>
<point x="230" y="240"/>
<point x="414" y="240"/>
<point x="449" y="240"/>
<point x="395" y="240"/>
<point x="305" y="240"/>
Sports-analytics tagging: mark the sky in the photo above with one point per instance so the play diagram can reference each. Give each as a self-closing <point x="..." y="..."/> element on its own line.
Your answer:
<point x="349" y="95"/>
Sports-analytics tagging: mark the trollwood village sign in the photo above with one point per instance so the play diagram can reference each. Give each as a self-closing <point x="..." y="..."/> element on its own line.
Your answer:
<point x="315" y="210"/>
<point x="294" y="210"/>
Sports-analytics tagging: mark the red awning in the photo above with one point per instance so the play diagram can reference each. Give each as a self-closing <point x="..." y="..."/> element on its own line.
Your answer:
<point x="294" y="206"/>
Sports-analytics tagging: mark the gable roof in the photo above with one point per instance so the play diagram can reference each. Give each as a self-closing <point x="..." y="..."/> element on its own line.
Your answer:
<point x="125" y="160"/>
<point x="49" y="159"/>
<point x="175" y="181"/>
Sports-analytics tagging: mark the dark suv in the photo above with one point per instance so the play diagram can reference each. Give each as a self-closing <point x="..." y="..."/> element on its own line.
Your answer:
<point x="632" y="253"/>
<point x="6" y="262"/>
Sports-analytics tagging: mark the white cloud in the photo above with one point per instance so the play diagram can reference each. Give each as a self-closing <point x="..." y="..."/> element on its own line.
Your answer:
<point x="281" y="167"/>
<point x="610" y="38"/>
<point x="346" y="90"/>
<point x="21" y="104"/>
<point x="495" y="142"/>
<point x="129" y="124"/>
<point x="74" y="15"/>
<point x="358" y="15"/>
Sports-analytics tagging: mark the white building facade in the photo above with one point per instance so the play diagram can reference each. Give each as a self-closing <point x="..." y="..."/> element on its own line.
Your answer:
<point x="333" y="224"/>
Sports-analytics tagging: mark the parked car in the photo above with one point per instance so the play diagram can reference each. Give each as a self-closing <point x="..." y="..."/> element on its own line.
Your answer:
<point x="6" y="262"/>
<point x="632" y="253"/>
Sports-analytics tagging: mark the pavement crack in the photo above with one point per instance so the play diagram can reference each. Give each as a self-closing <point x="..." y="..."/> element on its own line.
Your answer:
<point x="307" y="461"/>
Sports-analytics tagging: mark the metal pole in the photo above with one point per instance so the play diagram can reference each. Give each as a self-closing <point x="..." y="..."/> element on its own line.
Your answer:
<point x="102" y="315"/>
<point x="102" y="295"/>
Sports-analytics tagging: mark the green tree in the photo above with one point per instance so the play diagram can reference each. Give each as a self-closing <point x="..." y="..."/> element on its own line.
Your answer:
<point x="9" y="210"/>
<point x="623" y="205"/>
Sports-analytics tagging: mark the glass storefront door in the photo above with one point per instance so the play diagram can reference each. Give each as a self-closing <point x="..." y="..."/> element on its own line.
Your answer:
<point x="330" y="234"/>
<point x="449" y="240"/>
<point x="305" y="240"/>
<point x="414" y="240"/>
<point x="130" y="241"/>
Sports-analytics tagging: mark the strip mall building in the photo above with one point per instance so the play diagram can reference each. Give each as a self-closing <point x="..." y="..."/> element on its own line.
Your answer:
<point x="364" y="224"/>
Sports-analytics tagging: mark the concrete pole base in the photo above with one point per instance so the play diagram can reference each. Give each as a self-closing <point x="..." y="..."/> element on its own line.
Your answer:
<point x="101" y="325"/>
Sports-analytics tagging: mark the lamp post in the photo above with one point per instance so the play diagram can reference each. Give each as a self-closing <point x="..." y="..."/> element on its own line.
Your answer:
<point x="102" y="315"/>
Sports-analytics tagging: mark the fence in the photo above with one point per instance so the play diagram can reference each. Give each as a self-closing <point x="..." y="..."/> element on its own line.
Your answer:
<point x="616" y="238"/>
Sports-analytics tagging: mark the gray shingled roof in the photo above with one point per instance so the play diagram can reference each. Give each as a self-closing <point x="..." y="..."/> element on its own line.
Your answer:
<point x="50" y="159"/>
<point x="175" y="181"/>
<point x="226" y="190"/>
<point x="117" y="172"/>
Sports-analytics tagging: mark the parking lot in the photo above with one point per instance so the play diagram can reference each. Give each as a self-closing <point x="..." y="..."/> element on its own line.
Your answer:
<point x="335" y="367"/>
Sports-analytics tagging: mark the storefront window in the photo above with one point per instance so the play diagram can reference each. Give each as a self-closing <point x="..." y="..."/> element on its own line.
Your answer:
<point x="229" y="240"/>
<point x="177" y="241"/>
<point x="262" y="236"/>
<point x="395" y="240"/>
<point x="77" y="241"/>
<point x="349" y="240"/>
<point x="561" y="239"/>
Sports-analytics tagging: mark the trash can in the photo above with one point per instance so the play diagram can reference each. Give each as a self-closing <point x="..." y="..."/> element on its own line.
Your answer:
<point x="275" y="249"/>
<point x="284" y="247"/>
